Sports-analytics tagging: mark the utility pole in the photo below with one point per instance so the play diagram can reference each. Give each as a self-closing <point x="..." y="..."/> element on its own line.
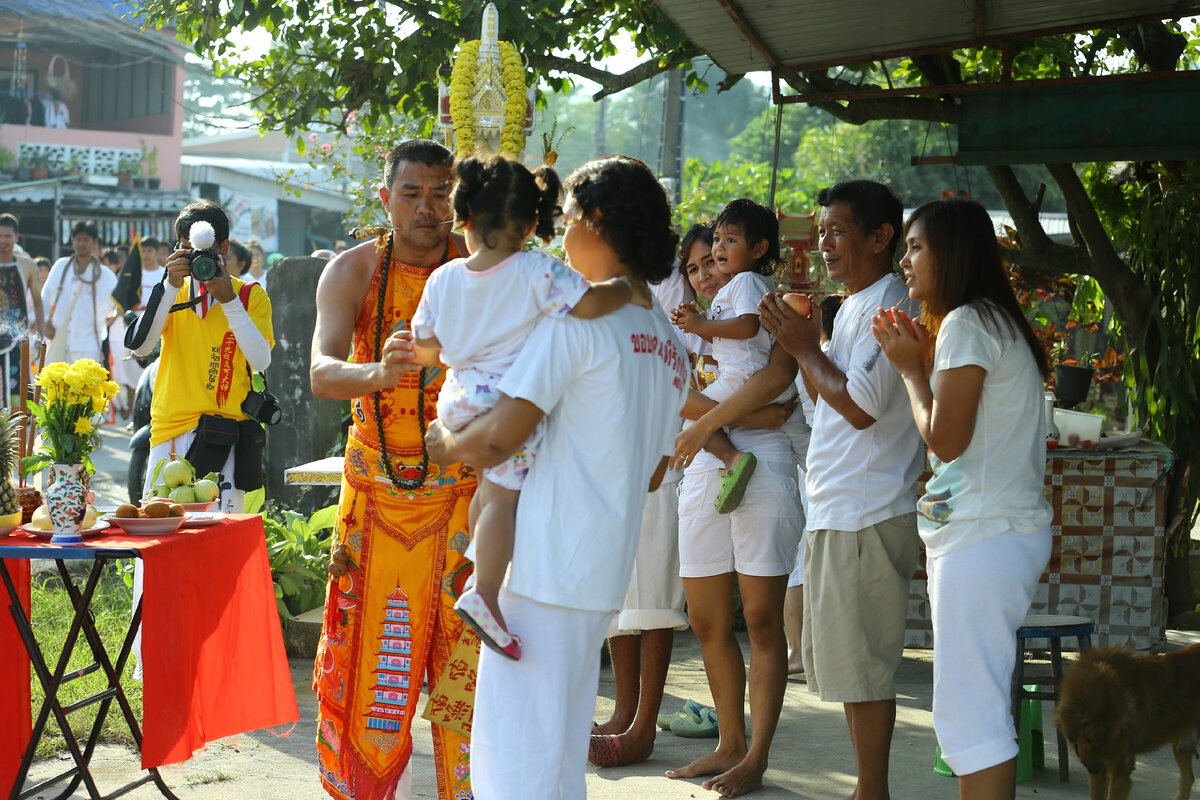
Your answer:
<point x="672" y="141"/>
<point x="598" y="145"/>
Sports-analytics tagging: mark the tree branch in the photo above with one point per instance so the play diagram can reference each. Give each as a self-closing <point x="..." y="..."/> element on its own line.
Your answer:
<point x="421" y="14"/>
<point x="857" y="112"/>
<point x="611" y="83"/>
<point x="1038" y="252"/>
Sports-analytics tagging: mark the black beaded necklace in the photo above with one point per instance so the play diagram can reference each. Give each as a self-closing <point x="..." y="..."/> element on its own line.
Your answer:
<point x="397" y="481"/>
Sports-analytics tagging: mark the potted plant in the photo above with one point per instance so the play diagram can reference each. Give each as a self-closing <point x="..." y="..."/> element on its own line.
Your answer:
<point x="1072" y="377"/>
<point x="139" y="175"/>
<point x="125" y="167"/>
<point x="153" y="181"/>
<point x="75" y="164"/>
<point x="39" y="166"/>
<point x="7" y="162"/>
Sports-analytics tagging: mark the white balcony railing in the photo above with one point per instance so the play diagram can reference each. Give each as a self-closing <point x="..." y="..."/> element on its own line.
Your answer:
<point x="94" y="160"/>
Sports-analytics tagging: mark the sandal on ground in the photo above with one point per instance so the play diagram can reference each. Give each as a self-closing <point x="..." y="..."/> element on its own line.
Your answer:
<point x="734" y="483"/>
<point x="474" y="611"/>
<point x="703" y="726"/>
<point x="691" y="710"/>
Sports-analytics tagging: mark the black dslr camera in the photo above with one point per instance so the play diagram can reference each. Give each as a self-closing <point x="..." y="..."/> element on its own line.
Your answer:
<point x="262" y="406"/>
<point x="206" y="264"/>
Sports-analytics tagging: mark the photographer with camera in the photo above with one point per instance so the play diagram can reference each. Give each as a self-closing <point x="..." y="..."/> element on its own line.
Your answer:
<point x="216" y="331"/>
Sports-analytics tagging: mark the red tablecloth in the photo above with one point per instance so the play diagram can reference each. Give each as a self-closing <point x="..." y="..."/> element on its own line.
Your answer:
<point x="212" y="651"/>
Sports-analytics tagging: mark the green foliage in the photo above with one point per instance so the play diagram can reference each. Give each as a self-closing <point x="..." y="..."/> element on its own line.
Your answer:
<point x="708" y="187"/>
<point x="299" y="552"/>
<point x="329" y="57"/>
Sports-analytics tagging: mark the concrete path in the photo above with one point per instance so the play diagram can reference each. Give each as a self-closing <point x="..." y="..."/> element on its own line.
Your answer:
<point x="811" y="756"/>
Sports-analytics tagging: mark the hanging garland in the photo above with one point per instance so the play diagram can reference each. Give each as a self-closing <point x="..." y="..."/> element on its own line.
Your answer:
<point x="462" y="90"/>
<point x="512" y="136"/>
<point x="463" y="80"/>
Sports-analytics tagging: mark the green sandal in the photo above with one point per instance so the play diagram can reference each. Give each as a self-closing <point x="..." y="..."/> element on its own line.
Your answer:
<point x="702" y="726"/>
<point x="691" y="710"/>
<point x="734" y="483"/>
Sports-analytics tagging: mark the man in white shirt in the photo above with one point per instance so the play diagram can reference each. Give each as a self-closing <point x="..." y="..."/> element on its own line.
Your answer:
<point x="611" y="390"/>
<point x="863" y="461"/>
<point x="77" y="296"/>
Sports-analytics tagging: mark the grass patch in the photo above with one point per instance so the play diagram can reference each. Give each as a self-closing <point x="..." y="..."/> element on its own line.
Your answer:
<point x="52" y="612"/>
<point x="216" y="776"/>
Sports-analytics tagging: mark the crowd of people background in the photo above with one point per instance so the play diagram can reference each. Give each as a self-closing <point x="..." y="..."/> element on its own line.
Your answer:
<point x="562" y="454"/>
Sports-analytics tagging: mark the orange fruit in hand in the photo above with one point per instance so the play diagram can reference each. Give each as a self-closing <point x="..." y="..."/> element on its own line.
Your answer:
<point x="799" y="303"/>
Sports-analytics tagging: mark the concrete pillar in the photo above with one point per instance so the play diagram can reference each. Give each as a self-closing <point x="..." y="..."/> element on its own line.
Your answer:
<point x="310" y="425"/>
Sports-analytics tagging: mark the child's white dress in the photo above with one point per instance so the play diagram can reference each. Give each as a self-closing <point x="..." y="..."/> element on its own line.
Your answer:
<point x="481" y="320"/>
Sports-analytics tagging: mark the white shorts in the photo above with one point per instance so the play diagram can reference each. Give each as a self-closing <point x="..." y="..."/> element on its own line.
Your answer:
<point x="796" y="427"/>
<point x="470" y="393"/>
<point x="797" y="576"/>
<point x="980" y="595"/>
<point x="655" y="597"/>
<point x="757" y="538"/>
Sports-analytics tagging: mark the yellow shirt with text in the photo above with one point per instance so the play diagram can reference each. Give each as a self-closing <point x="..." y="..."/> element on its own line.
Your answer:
<point x="201" y="369"/>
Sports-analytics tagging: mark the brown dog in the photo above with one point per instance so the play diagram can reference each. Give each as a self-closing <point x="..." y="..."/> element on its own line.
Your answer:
<point x="1115" y="703"/>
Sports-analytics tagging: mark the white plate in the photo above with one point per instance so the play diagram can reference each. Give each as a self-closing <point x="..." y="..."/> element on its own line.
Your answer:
<point x="100" y="525"/>
<point x="5" y="530"/>
<point x="147" y="526"/>
<point x="186" y="506"/>
<point x="202" y="519"/>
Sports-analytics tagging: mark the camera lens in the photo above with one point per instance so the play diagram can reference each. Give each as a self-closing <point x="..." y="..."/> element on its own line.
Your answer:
<point x="204" y="267"/>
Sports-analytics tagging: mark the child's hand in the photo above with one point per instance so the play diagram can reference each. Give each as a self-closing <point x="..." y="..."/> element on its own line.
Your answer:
<point x="688" y="318"/>
<point x="904" y="341"/>
<point x="688" y="443"/>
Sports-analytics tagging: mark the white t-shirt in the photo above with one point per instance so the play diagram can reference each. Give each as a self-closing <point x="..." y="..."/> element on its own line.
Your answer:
<point x="995" y="486"/>
<point x="612" y="388"/>
<point x="858" y="478"/>
<point x="89" y="310"/>
<point x="150" y="279"/>
<point x="738" y="359"/>
<point x="482" y="319"/>
<point x="670" y="292"/>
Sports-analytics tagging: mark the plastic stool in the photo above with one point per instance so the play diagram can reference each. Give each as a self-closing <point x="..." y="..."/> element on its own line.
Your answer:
<point x="1054" y="628"/>
<point x="1030" y="749"/>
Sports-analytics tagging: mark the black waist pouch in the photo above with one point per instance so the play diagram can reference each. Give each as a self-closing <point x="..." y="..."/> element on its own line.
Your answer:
<point x="248" y="457"/>
<point x="210" y="449"/>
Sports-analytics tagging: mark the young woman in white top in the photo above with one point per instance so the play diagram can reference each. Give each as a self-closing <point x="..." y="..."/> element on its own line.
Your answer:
<point x="478" y="312"/>
<point x="974" y="373"/>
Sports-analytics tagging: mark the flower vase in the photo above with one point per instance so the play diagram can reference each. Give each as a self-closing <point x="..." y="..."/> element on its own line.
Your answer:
<point x="67" y="502"/>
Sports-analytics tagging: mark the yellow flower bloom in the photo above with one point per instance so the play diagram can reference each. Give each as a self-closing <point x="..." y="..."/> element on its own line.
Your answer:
<point x="84" y="426"/>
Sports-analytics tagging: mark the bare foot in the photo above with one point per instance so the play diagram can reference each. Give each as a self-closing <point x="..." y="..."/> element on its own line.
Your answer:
<point x="743" y="778"/>
<point x="714" y="763"/>
<point x="612" y="727"/>
<point x="795" y="664"/>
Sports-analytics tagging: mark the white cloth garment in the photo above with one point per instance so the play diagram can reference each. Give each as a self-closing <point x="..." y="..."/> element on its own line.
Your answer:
<point x="533" y="717"/>
<point x="612" y="388"/>
<point x="483" y="319"/>
<point x="741" y="358"/>
<point x="655" y="597"/>
<point x="857" y="478"/>
<point x="995" y="485"/>
<point x="87" y="299"/>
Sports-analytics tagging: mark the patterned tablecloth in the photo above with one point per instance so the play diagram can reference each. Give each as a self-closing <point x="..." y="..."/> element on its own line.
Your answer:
<point x="1109" y="547"/>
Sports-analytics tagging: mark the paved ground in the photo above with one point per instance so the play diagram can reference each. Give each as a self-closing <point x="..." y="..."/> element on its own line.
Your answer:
<point x="811" y="755"/>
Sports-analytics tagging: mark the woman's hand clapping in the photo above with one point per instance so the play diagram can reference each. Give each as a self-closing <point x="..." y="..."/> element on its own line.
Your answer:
<point x="904" y="341"/>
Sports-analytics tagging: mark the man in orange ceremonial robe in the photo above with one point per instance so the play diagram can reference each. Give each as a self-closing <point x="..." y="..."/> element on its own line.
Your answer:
<point x="389" y="620"/>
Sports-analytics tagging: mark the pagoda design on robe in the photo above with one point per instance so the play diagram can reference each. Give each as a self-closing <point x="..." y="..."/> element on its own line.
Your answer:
<point x="394" y="667"/>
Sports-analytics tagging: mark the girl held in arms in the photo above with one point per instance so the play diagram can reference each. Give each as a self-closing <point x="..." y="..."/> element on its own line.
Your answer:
<point x="974" y="372"/>
<point x="478" y="312"/>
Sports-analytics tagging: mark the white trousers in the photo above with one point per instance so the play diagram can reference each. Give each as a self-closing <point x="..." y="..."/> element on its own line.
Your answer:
<point x="533" y="717"/>
<point x="979" y="597"/>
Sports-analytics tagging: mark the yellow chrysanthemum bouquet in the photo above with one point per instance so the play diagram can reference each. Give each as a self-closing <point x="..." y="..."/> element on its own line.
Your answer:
<point x="74" y="399"/>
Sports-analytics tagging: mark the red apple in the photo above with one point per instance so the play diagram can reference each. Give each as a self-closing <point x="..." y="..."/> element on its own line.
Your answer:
<point x="799" y="303"/>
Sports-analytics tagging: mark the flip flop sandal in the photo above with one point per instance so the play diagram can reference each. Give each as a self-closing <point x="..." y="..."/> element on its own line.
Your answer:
<point x="691" y="710"/>
<point x="734" y="483"/>
<point x="704" y="727"/>
<point x="474" y="611"/>
<point x="606" y="751"/>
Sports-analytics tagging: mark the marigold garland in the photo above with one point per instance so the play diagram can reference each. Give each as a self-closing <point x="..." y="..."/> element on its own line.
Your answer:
<point x="462" y="90"/>
<point x="463" y="79"/>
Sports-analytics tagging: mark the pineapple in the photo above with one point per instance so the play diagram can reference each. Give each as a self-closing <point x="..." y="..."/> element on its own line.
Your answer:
<point x="10" y="431"/>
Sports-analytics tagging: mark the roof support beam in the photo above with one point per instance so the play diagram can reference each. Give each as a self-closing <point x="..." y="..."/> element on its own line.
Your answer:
<point x="739" y="20"/>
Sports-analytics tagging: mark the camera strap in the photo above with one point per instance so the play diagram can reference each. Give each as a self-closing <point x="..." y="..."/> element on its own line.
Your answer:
<point x="136" y="333"/>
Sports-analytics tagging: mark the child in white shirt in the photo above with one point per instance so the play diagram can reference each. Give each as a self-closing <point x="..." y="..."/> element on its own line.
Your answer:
<point x="478" y="312"/>
<point x="746" y="248"/>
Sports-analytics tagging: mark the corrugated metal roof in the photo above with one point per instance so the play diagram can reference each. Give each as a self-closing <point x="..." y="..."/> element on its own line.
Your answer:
<point x="90" y="22"/>
<point x="99" y="198"/>
<point x="794" y="33"/>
